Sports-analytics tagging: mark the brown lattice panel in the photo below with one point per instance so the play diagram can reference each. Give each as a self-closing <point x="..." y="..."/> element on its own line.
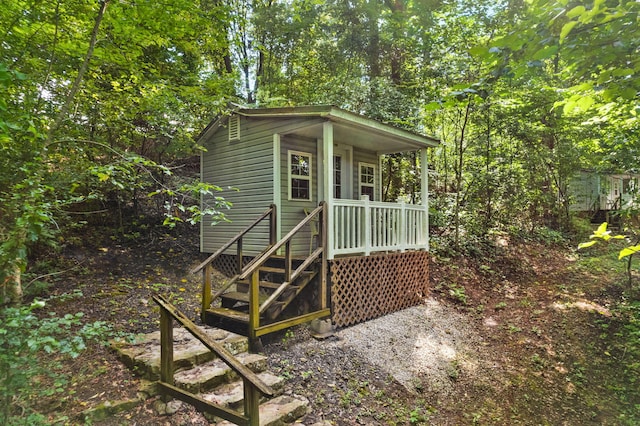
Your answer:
<point x="366" y="287"/>
<point x="226" y="264"/>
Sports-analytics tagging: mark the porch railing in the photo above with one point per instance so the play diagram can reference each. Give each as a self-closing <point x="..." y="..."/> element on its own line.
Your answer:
<point x="363" y="226"/>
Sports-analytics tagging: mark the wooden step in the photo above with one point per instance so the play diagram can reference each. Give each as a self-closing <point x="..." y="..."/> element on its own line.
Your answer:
<point x="271" y="269"/>
<point x="232" y="395"/>
<point x="236" y="296"/>
<point x="229" y="314"/>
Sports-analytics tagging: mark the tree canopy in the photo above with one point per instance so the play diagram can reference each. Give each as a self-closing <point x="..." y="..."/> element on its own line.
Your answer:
<point x="101" y="100"/>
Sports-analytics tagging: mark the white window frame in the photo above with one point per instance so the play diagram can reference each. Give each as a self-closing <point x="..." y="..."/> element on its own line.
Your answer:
<point x="291" y="176"/>
<point x="368" y="185"/>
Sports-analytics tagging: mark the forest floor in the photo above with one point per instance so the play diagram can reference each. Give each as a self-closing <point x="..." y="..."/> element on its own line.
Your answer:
<point x="522" y="333"/>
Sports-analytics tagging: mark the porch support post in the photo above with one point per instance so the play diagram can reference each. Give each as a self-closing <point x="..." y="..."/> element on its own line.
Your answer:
<point x="327" y="160"/>
<point x="424" y="196"/>
<point x="277" y="189"/>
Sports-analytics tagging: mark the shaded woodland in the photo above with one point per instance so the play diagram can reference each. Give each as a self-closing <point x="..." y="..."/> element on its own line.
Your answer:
<point x="101" y="102"/>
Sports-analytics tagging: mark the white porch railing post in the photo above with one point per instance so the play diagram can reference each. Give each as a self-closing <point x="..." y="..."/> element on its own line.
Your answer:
<point x="402" y="227"/>
<point x="424" y="183"/>
<point x="367" y="225"/>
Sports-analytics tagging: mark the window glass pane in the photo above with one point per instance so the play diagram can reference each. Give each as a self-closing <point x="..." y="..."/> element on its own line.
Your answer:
<point x="367" y="190"/>
<point x="300" y="189"/>
<point x="337" y="176"/>
<point x="299" y="165"/>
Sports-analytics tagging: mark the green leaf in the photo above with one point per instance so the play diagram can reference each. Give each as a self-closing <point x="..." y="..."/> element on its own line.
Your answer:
<point x="545" y="53"/>
<point x="576" y="11"/>
<point x="566" y="29"/>
<point x="587" y="244"/>
<point x="628" y="251"/>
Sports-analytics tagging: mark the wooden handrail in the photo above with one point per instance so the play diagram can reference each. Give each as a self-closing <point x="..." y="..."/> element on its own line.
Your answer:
<point x="214" y="346"/>
<point x="270" y="210"/>
<point x="271" y="251"/>
<point x="308" y="261"/>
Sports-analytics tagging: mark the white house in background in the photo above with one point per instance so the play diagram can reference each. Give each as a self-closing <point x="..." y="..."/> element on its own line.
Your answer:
<point x="593" y="192"/>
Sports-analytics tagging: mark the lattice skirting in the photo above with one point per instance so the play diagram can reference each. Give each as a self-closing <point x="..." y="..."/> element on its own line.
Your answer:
<point x="367" y="287"/>
<point x="226" y="264"/>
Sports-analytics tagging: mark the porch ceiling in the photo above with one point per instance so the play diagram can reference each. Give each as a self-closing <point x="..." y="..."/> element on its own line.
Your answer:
<point x="362" y="138"/>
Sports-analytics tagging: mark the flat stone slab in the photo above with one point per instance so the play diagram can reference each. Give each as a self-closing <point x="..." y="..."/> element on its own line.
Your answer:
<point x="207" y="376"/>
<point x="280" y="411"/>
<point x="232" y="394"/>
<point x="143" y="354"/>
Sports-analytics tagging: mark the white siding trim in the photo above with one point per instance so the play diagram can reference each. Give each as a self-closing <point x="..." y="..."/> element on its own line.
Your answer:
<point x="424" y="185"/>
<point x="327" y="150"/>
<point x="277" y="191"/>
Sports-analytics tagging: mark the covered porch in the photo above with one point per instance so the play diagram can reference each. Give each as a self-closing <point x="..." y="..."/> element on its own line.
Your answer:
<point x="346" y="172"/>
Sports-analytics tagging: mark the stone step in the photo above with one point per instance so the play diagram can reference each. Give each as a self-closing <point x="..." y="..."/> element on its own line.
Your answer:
<point x="231" y="395"/>
<point x="204" y="377"/>
<point x="281" y="410"/>
<point x="143" y="354"/>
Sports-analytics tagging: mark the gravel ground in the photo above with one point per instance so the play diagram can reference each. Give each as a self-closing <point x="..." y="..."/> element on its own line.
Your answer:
<point x="430" y="342"/>
<point x="376" y="372"/>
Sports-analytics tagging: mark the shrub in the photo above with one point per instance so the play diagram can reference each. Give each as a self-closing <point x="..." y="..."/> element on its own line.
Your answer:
<point x="23" y="339"/>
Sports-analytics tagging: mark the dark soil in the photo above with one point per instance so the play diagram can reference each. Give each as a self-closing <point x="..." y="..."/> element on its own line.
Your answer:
<point x="546" y="321"/>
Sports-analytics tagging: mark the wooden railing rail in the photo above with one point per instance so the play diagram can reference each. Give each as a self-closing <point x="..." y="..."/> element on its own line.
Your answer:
<point x="271" y="212"/>
<point x="304" y="265"/>
<point x="253" y="385"/>
<point x="206" y="266"/>
<point x="285" y="241"/>
<point x="253" y="273"/>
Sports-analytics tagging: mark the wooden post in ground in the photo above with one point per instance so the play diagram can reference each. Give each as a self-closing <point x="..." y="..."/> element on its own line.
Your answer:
<point x="251" y="403"/>
<point x="254" y="311"/>
<point x="206" y="291"/>
<point x="166" y="350"/>
<point x="325" y="251"/>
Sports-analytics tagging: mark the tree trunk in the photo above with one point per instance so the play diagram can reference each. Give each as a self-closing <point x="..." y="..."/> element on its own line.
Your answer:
<point x="78" y="80"/>
<point x="12" y="286"/>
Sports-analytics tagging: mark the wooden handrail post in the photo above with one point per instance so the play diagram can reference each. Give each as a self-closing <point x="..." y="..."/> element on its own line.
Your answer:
<point x="273" y="225"/>
<point x="287" y="261"/>
<point x="322" y="223"/>
<point x="254" y="310"/>
<point x="206" y="291"/>
<point x="239" y="256"/>
<point x="251" y="403"/>
<point x="166" y="350"/>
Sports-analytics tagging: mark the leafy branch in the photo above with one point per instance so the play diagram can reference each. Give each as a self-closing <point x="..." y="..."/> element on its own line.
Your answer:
<point x="602" y="234"/>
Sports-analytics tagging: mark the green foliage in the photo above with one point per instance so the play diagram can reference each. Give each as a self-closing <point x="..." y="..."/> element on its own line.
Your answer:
<point x="27" y="372"/>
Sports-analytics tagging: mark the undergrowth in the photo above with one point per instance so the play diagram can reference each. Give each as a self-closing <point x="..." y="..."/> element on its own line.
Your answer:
<point x="31" y="350"/>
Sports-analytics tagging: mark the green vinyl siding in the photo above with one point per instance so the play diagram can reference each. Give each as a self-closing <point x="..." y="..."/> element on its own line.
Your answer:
<point x="247" y="165"/>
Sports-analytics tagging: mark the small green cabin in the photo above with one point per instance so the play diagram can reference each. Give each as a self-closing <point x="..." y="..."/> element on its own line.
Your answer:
<point x="316" y="170"/>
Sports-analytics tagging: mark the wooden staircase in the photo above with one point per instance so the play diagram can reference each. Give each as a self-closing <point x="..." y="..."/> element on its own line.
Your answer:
<point x="273" y="291"/>
<point x="210" y="369"/>
<point x="233" y="310"/>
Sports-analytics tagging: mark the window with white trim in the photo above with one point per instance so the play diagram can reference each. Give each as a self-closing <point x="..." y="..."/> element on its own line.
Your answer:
<point x="299" y="175"/>
<point x="367" y="179"/>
